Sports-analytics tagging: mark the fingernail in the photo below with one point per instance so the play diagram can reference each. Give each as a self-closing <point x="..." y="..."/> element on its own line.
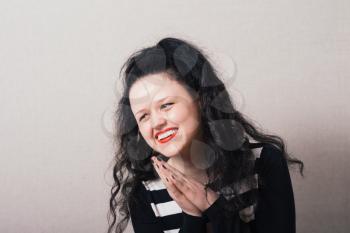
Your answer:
<point x="163" y="166"/>
<point x="173" y="177"/>
<point x="166" y="179"/>
<point x="157" y="166"/>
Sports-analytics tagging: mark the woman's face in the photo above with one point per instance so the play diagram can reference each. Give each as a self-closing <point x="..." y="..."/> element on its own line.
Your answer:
<point x="167" y="115"/>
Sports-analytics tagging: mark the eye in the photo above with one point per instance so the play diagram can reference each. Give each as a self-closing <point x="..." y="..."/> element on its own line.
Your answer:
<point x="166" y="104"/>
<point x="142" y="117"/>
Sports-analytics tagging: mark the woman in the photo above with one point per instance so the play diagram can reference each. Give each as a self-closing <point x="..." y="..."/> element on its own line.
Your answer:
<point x="187" y="160"/>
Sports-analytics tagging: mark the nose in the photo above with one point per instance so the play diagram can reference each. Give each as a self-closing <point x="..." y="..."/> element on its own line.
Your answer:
<point x="157" y="120"/>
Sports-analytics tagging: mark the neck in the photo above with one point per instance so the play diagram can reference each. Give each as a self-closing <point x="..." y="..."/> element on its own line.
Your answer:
<point x="191" y="161"/>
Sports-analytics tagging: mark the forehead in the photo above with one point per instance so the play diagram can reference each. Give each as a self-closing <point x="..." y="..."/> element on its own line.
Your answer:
<point x="154" y="87"/>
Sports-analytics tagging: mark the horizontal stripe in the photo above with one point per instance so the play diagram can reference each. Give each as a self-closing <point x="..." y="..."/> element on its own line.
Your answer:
<point x="172" y="231"/>
<point x="152" y="185"/>
<point x="166" y="208"/>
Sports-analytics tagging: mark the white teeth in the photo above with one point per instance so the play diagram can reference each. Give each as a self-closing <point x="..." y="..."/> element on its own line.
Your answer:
<point x="166" y="134"/>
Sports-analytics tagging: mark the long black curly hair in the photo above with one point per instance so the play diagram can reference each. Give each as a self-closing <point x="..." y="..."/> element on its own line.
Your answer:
<point x="226" y="131"/>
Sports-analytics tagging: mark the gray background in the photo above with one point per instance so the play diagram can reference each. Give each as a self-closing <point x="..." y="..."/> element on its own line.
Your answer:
<point x="289" y="62"/>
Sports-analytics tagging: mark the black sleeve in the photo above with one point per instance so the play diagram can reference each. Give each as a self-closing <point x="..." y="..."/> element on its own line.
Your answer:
<point x="276" y="210"/>
<point x="219" y="221"/>
<point x="193" y="224"/>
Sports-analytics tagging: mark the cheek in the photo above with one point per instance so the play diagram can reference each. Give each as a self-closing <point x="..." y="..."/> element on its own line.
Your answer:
<point x="178" y="115"/>
<point x="184" y="115"/>
<point x="145" y="131"/>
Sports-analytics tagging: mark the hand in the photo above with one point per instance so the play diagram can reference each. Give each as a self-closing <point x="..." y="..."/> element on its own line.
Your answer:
<point x="181" y="185"/>
<point x="186" y="205"/>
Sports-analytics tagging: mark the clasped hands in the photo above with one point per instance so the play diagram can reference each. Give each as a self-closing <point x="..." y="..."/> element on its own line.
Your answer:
<point x="188" y="193"/>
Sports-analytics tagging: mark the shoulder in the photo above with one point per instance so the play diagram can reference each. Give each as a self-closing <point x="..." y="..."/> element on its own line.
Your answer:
<point x="142" y="191"/>
<point x="271" y="153"/>
<point x="143" y="187"/>
<point x="138" y="194"/>
<point x="271" y="160"/>
<point x="139" y="204"/>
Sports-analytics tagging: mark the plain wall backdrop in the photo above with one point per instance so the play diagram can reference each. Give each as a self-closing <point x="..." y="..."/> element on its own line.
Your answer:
<point x="59" y="65"/>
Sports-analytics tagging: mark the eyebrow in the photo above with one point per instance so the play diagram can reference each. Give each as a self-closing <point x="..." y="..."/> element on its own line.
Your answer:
<point x="160" y="100"/>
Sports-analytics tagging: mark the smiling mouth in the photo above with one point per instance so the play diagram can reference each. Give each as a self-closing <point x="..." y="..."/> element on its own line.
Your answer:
<point x="168" y="138"/>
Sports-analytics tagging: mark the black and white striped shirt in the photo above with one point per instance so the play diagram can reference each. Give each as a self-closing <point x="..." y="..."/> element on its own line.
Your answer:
<point x="159" y="213"/>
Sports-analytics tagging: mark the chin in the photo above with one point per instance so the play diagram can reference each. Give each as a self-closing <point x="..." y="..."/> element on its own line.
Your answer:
<point x="173" y="148"/>
<point x="169" y="154"/>
<point x="170" y="151"/>
<point x="173" y="151"/>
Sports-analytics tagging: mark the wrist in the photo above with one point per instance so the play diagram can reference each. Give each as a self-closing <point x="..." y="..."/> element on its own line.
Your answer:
<point x="193" y="214"/>
<point x="212" y="198"/>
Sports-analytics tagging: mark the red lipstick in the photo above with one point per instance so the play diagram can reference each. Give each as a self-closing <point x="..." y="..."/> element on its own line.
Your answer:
<point x="164" y="140"/>
<point x="163" y="131"/>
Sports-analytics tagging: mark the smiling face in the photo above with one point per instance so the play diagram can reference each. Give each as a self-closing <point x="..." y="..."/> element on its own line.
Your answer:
<point x="159" y="104"/>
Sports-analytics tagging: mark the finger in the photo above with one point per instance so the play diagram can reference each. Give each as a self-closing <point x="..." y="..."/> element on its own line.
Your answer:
<point x="178" y="196"/>
<point x="171" y="169"/>
<point x="189" y="181"/>
<point x="174" y="192"/>
<point x="160" y="173"/>
<point x="172" y="189"/>
<point x="170" y="174"/>
<point x="187" y="185"/>
<point x="178" y="180"/>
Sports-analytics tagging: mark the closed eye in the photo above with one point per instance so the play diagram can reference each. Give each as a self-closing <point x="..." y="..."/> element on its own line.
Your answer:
<point x="142" y="117"/>
<point x="166" y="104"/>
<point x="160" y="107"/>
